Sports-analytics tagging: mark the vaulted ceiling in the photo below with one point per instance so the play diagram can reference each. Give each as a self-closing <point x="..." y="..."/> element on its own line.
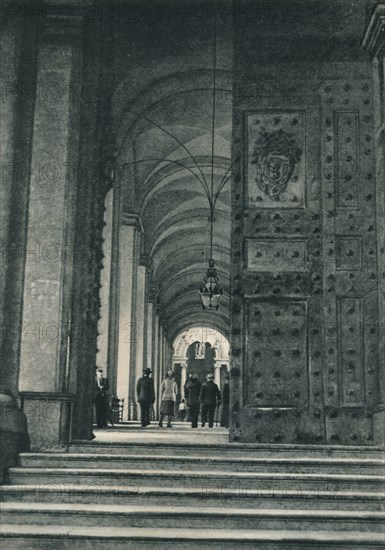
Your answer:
<point x="173" y="163"/>
<point x="170" y="164"/>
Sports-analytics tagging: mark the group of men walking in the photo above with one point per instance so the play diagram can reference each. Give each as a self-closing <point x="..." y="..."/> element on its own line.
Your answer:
<point x="204" y="398"/>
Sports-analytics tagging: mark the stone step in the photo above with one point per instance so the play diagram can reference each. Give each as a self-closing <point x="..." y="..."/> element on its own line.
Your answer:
<point x="198" y="517"/>
<point x="233" y="450"/>
<point x="200" y="479"/>
<point x="176" y="462"/>
<point x="47" y="537"/>
<point x="217" y="497"/>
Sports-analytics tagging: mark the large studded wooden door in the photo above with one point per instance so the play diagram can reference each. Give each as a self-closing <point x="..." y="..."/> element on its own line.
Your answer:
<point x="279" y="285"/>
<point x="303" y="272"/>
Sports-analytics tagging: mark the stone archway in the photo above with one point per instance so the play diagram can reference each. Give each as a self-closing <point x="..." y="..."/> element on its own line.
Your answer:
<point x="203" y="350"/>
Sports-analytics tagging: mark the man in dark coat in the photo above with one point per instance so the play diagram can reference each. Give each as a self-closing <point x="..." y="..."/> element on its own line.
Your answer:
<point x="146" y="396"/>
<point x="210" y="398"/>
<point x="225" y="402"/>
<point x="192" y="390"/>
<point x="101" y="399"/>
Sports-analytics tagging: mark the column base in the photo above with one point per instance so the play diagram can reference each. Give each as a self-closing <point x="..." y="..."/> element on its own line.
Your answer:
<point x="48" y="417"/>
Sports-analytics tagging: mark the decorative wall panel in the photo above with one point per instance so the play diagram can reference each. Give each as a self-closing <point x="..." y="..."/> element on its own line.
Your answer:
<point x="277" y="363"/>
<point x="276" y="159"/>
<point x="346" y="126"/>
<point x="349" y="263"/>
<point x="350" y="351"/>
<point x="273" y="255"/>
<point x="348" y="253"/>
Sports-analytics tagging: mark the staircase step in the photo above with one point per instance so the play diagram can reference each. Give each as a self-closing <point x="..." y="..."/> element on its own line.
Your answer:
<point x="218" y="496"/>
<point x="224" y="449"/>
<point x="183" y="462"/>
<point x="205" y="479"/>
<point x="140" y="493"/>
<point x="50" y="536"/>
<point x="198" y="517"/>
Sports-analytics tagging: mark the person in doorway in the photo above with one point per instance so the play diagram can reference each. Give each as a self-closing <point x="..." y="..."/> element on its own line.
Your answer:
<point x="146" y="396"/>
<point x="225" y="402"/>
<point x="210" y="398"/>
<point x="101" y="399"/>
<point x="192" y="391"/>
<point x="168" y="392"/>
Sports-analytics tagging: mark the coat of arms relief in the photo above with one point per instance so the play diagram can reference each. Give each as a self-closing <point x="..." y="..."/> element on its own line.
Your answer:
<point x="276" y="169"/>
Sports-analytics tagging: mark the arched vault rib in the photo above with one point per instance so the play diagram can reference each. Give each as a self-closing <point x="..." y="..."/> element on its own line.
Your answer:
<point x="128" y="116"/>
<point x="167" y="174"/>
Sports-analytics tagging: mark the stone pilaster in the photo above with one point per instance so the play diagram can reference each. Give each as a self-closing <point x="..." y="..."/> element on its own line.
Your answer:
<point x="19" y="46"/>
<point x="155" y="359"/>
<point x="10" y="60"/>
<point x="137" y="353"/>
<point x="43" y="374"/>
<point x="129" y="235"/>
<point x="161" y="353"/>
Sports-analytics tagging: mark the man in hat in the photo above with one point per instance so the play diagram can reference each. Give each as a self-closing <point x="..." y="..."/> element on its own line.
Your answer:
<point x="210" y="398"/>
<point x="146" y="396"/>
<point x="101" y="399"/>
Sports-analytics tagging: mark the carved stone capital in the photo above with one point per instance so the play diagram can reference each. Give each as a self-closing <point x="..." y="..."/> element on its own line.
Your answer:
<point x="130" y="218"/>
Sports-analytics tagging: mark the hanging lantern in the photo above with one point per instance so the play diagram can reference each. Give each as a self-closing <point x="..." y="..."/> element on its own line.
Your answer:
<point x="211" y="291"/>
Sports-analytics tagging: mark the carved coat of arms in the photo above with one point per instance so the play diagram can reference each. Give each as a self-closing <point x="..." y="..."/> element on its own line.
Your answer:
<point x="275" y="155"/>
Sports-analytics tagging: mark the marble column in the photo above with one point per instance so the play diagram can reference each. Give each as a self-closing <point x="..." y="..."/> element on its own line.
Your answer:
<point x="374" y="43"/>
<point x="43" y="372"/>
